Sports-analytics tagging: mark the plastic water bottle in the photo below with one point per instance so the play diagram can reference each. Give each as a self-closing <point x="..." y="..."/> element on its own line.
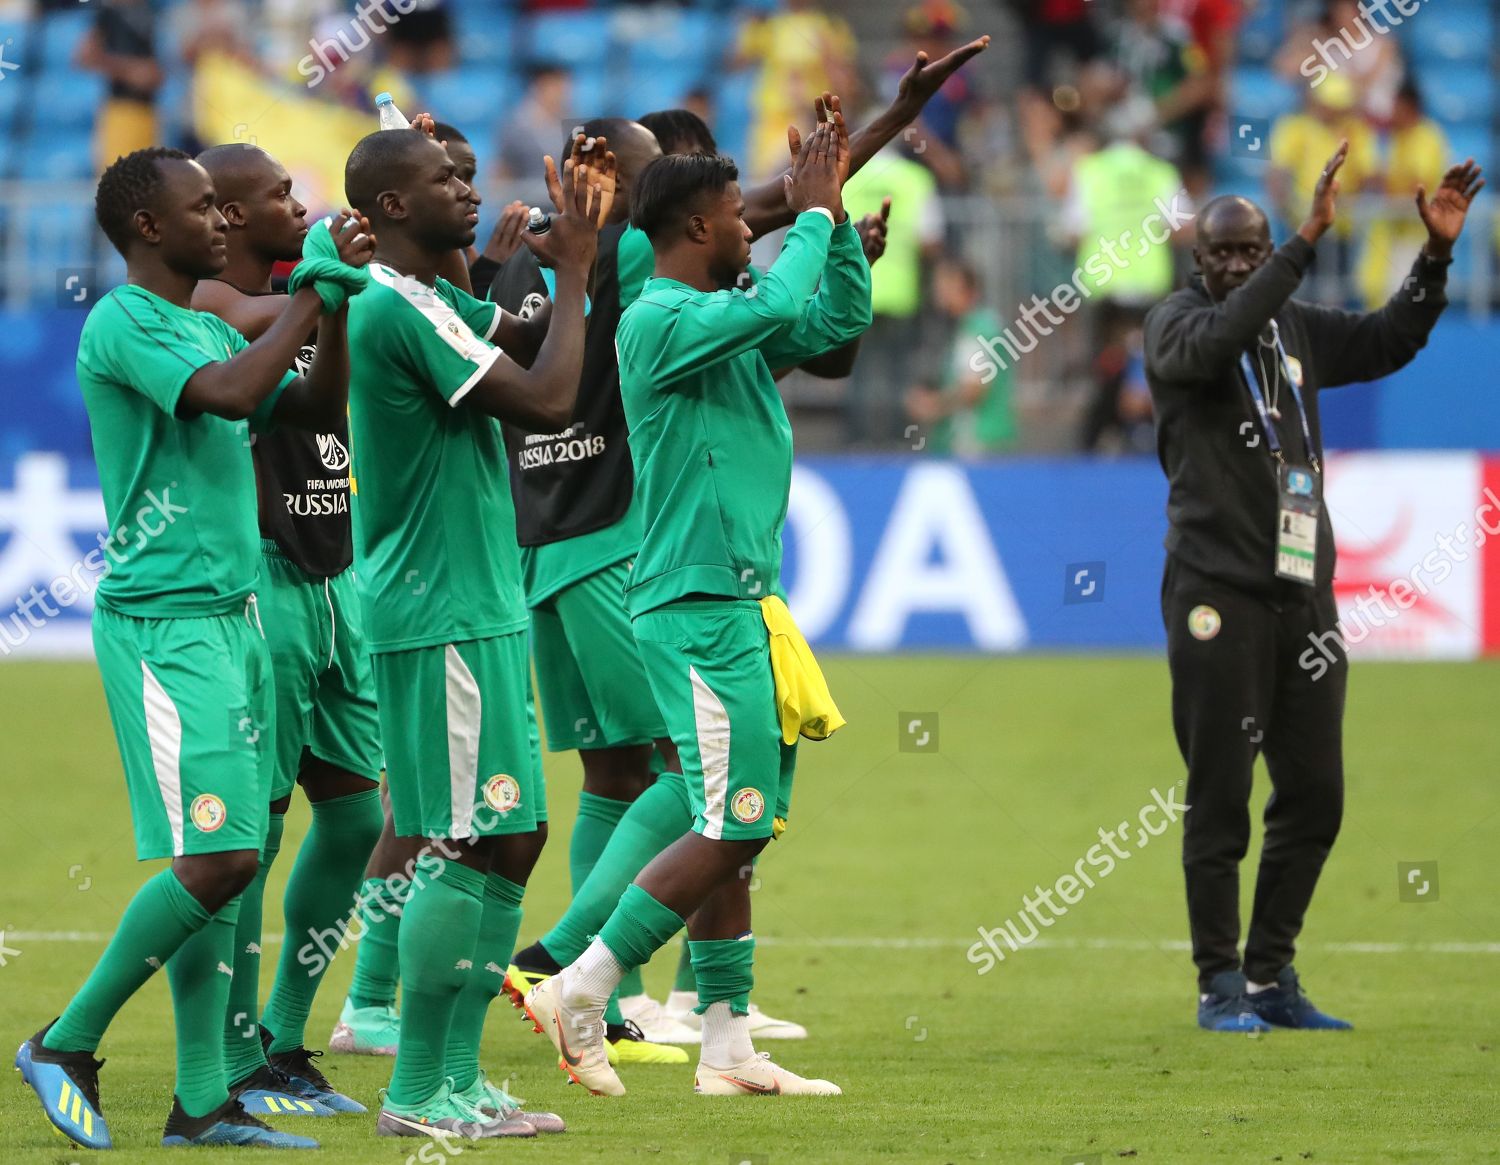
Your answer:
<point x="538" y="222"/>
<point x="390" y="116"/>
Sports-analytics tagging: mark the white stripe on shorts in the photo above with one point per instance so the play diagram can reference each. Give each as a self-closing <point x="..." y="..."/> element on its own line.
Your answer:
<point x="164" y="732"/>
<point x="464" y="708"/>
<point x="712" y="723"/>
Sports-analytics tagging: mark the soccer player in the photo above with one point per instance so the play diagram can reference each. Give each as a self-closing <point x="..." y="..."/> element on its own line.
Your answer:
<point x="177" y="631"/>
<point x="594" y="691"/>
<point x="712" y="450"/>
<point x="446" y="616"/>
<point x="327" y="731"/>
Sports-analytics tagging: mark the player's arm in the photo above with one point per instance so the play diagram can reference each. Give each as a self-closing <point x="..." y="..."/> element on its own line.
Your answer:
<point x="540" y="395"/>
<point x="1353" y="346"/>
<point x="235" y="388"/>
<point x="765" y="207"/>
<point x="839" y="363"/>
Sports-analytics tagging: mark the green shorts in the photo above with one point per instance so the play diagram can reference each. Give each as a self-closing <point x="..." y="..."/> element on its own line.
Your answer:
<point x="194" y="716"/>
<point x="593" y="686"/>
<point x="709" y="663"/>
<point x="325" y="687"/>
<point x="458" y="735"/>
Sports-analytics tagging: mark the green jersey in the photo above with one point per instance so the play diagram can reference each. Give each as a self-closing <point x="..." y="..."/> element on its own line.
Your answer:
<point x="179" y="491"/>
<point x="437" y="529"/>
<point x="709" y="435"/>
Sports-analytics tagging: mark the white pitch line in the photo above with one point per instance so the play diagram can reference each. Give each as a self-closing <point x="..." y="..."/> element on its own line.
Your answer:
<point x="933" y="944"/>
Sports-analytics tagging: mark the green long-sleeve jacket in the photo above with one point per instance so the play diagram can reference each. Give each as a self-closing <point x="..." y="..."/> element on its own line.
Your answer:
<point x="709" y="435"/>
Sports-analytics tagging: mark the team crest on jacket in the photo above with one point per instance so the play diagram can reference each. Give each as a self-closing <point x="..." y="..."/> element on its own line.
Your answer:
<point x="207" y="813"/>
<point x="1295" y="366"/>
<point x="502" y="793"/>
<point x="331" y="450"/>
<point x="748" y="805"/>
<point x="1204" y="622"/>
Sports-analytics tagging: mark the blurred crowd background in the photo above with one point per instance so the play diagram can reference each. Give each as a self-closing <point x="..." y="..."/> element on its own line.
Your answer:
<point x="1085" y="120"/>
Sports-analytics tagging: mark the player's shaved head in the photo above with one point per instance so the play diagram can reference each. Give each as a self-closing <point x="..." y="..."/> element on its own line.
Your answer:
<point x="634" y="147"/>
<point x="385" y="160"/>
<point x="237" y="168"/>
<point x="681" y="131"/>
<point x="1231" y="214"/>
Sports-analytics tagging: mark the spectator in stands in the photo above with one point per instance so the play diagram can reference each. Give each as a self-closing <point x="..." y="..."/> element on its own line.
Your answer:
<point x="1343" y="42"/>
<point x="1300" y="144"/>
<point x="932" y="27"/>
<point x="419" y="39"/>
<point x="1062" y="36"/>
<point x="798" y="52"/>
<point x="1212" y="25"/>
<point x="970" y="411"/>
<point x="914" y="236"/>
<point x="1416" y="152"/>
<point x="1127" y="210"/>
<point x="122" y="46"/>
<point x="203" y="26"/>
<point x="532" y="133"/>
<point x="1154" y="58"/>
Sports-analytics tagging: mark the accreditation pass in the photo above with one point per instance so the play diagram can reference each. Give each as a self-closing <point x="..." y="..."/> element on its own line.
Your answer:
<point x="1297" y="525"/>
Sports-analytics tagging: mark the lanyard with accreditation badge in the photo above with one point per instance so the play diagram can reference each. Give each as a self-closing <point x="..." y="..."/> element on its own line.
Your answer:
<point x="1298" y="490"/>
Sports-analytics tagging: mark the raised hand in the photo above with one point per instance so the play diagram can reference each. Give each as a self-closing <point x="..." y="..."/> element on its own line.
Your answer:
<point x="923" y="79"/>
<point x="505" y="239"/>
<point x="583" y="196"/>
<point x="830" y="113"/>
<point x="1444" y="214"/>
<point x="1325" y="195"/>
<point x="353" y="238"/>
<point x="872" y="230"/>
<point x="814" y="178"/>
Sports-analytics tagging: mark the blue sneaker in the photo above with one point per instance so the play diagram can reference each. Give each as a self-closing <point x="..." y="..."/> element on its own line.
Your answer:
<point x="229" y="1124"/>
<point x="303" y="1075"/>
<point x="67" y="1084"/>
<point x="1226" y="1008"/>
<point x="1287" y="1005"/>
<point x="268" y="1092"/>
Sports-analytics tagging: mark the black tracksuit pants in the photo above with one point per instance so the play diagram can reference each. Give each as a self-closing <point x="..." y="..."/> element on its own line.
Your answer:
<point x="1253" y="687"/>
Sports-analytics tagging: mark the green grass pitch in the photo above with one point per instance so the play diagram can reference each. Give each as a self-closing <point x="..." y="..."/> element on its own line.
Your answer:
<point x="1082" y="1048"/>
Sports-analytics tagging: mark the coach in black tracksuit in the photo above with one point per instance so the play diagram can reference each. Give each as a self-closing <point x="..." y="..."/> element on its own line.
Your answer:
<point x="1235" y="367"/>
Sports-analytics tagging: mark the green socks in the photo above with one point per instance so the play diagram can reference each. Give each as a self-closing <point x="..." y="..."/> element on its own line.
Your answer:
<point x="724" y="968"/>
<point x="656" y="819"/>
<point x="201" y="979"/>
<point x="498" y="927"/>
<point x="376" y="962"/>
<point x="241" y="1022"/>
<point x="159" y="920"/>
<point x="318" y="896"/>
<point x="686" y="980"/>
<point x="438" y="937"/>
<point x="639" y="927"/>
<point x="596" y="821"/>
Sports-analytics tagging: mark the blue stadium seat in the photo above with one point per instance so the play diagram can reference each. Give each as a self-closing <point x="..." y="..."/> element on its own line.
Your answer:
<point x="1465" y="32"/>
<point x="731" y="123"/>
<point x="174" y="105"/>
<point x="1460" y="94"/>
<point x="1261" y="33"/>
<point x="486" y="34"/>
<point x="55" y="235"/>
<point x="1469" y="141"/>
<point x="474" y="98"/>
<point x="668" y="36"/>
<point x="592" y="95"/>
<point x="67" y="100"/>
<point x="57" y="157"/>
<point x="61" y="32"/>
<point x="566" y="38"/>
<point x="663" y="86"/>
<point x="1258" y="92"/>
